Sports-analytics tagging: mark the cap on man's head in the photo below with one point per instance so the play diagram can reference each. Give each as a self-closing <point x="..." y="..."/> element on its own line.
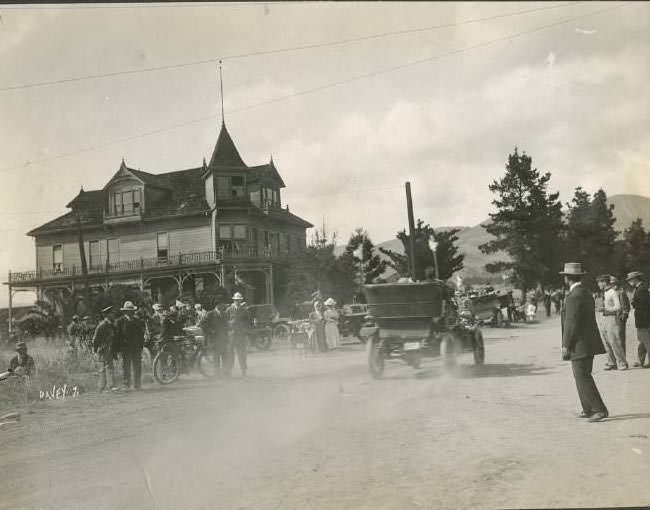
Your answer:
<point x="21" y="346"/>
<point x="238" y="297"/>
<point x="603" y="278"/>
<point x="613" y="279"/>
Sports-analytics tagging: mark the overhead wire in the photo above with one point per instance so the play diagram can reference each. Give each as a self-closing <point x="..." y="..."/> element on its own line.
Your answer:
<point x="258" y="53"/>
<point x="318" y="88"/>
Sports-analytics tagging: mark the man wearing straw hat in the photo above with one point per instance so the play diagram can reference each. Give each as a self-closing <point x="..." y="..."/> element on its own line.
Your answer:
<point x="581" y="341"/>
<point x="239" y="323"/>
<point x="131" y="332"/>
<point x="103" y="345"/>
<point x="607" y="313"/>
<point x="641" y="305"/>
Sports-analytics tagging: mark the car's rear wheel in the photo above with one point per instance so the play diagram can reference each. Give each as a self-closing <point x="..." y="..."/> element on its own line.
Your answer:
<point x="281" y="332"/>
<point x="262" y="341"/>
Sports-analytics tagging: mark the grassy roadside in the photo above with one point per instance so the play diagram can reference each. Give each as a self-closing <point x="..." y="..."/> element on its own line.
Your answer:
<point x="56" y="369"/>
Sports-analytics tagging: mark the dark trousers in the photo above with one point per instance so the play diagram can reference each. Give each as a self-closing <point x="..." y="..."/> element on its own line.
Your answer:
<point x="589" y="396"/>
<point x="220" y="356"/>
<point x="132" y="361"/>
<point x="239" y="347"/>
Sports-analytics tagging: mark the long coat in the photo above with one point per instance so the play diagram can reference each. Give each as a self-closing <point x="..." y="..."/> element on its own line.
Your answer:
<point x="215" y="326"/>
<point x="641" y="304"/>
<point x="104" y="338"/>
<point x="130" y="333"/>
<point x="580" y="333"/>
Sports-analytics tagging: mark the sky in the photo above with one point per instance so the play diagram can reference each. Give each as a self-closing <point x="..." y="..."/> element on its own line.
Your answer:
<point x="378" y="94"/>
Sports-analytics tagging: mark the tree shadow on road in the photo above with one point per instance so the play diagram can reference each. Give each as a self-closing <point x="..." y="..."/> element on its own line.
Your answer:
<point x="483" y="371"/>
<point x="632" y="416"/>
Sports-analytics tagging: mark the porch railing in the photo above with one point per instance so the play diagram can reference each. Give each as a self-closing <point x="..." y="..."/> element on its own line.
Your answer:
<point x="126" y="266"/>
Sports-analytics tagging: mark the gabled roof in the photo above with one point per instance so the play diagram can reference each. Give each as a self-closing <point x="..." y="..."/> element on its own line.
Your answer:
<point x="87" y="199"/>
<point x="225" y="153"/>
<point x="268" y="170"/>
<point x="145" y="177"/>
<point x="150" y="179"/>
<point x="68" y="221"/>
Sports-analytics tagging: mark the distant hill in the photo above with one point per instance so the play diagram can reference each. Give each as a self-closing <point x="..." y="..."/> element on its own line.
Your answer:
<point x="626" y="209"/>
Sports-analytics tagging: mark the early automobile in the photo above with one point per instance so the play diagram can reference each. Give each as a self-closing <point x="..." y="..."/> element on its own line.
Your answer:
<point x="266" y="326"/>
<point x="408" y="321"/>
<point x="351" y="319"/>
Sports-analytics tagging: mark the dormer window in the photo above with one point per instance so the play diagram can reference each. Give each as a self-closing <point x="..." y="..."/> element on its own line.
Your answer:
<point x="126" y="203"/>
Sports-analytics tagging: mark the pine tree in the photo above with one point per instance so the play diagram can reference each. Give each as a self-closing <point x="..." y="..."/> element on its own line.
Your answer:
<point x="527" y="225"/>
<point x="634" y="249"/>
<point x="448" y="257"/>
<point x="373" y="265"/>
<point x="590" y="234"/>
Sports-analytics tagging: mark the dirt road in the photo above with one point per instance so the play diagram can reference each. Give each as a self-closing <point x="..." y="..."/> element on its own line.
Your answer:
<point x="318" y="433"/>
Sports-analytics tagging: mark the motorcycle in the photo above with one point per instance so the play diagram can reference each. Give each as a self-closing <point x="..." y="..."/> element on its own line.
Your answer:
<point x="180" y="354"/>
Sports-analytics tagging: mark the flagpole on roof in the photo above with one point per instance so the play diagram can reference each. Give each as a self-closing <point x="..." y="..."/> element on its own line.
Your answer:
<point x="223" y="118"/>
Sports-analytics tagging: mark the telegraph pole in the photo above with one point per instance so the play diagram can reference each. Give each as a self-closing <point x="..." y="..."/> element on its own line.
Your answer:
<point x="409" y="207"/>
<point x="84" y="265"/>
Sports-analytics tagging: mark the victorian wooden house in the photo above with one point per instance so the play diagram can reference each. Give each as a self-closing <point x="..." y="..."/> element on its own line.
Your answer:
<point x="223" y="223"/>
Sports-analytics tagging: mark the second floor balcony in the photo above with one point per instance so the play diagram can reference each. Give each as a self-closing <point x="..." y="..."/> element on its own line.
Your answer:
<point x="190" y="260"/>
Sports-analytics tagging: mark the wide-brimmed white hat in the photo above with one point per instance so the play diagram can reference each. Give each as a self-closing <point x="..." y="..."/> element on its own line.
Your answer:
<point x="573" y="269"/>
<point x="157" y="306"/>
<point x="128" y="305"/>
<point x="634" y="275"/>
<point x="238" y="296"/>
<point x="329" y="302"/>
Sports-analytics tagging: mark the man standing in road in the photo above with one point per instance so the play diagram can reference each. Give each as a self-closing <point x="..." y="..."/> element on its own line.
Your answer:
<point x="103" y="345"/>
<point x="215" y="326"/>
<point x="641" y="305"/>
<point x="611" y="310"/>
<point x="624" y="313"/>
<point x="581" y="341"/>
<point x="239" y="323"/>
<point x="131" y="332"/>
<point x="607" y="307"/>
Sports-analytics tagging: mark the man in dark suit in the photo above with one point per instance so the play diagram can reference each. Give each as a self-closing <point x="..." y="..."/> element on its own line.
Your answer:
<point x="581" y="341"/>
<point x="215" y="325"/>
<point x="130" y="331"/>
<point x="641" y="304"/>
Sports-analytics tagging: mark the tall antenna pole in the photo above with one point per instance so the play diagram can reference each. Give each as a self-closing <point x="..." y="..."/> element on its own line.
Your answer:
<point x="223" y="118"/>
<point x="409" y="209"/>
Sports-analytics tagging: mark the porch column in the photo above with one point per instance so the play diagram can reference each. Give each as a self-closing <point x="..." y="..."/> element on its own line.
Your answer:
<point x="10" y="309"/>
<point x="271" y="296"/>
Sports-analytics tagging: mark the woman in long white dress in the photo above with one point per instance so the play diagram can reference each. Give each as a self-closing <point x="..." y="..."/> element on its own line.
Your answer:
<point x="331" y="316"/>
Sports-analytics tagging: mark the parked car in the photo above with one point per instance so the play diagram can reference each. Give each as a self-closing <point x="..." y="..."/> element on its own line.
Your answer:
<point x="267" y="325"/>
<point x="351" y="319"/>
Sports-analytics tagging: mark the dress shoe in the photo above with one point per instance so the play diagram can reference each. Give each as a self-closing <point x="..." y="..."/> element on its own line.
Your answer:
<point x="637" y="364"/>
<point x="609" y="367"/>
<point x="598" y="417"/>
<point x="585" y="415"/>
